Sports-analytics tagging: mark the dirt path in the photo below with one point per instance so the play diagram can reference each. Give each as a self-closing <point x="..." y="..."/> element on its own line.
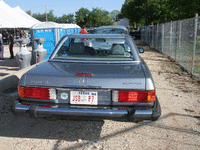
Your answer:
<point x="177" y="128"/>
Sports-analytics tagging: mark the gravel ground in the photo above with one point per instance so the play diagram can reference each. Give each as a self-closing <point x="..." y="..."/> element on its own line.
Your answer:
<point x="177" y="128"/>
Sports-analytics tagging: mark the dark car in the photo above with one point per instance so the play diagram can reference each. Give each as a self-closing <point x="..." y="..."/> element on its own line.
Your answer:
<point x="91" y="31"/>
<point x="135" y="33"/>
<point x="82" y="80"/>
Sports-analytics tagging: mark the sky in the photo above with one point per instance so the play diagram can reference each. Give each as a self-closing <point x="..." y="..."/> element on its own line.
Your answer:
<point x="61" y="7"/>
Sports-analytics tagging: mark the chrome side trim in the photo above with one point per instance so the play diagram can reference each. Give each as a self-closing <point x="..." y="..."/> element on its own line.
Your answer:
<point x="86" y="89"/>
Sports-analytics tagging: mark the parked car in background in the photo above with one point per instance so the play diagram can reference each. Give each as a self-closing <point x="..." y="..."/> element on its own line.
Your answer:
<point x="91" y="31"/>
<point x="112" y="83"/>
<point x="135" y="33"/>
<point x="111" y="29"/>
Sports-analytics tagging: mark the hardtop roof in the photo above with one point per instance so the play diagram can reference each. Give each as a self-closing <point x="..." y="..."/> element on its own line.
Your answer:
<point x="97" y="35"/>
<point x="113" y="27"/>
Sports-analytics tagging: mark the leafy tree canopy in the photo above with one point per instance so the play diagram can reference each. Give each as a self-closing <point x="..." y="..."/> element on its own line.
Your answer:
<point x="83" y="17"/>
<point x="159" y="11"/>
<point x="133" y="10"/>
<point x="66" y="19"/>
<point x="42" y="17"/>
<point x="94" y="18"/>
<point x="183" y="9"/>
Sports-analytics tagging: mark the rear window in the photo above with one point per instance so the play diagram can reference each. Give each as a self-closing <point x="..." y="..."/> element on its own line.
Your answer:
<point x="94" y="49"/>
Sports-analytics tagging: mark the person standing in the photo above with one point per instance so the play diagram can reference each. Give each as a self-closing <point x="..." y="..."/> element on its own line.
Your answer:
<point x="83" y="31"/>
<point x="11" y="41"/>
<point x="1" y="47"/>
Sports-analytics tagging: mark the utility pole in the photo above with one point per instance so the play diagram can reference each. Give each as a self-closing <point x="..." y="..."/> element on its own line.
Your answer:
<point x="146" y="13"/>
<point x="46" y="14"/>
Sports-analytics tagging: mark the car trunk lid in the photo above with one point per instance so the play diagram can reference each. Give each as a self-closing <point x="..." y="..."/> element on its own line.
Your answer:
<point x="77" y="75"/>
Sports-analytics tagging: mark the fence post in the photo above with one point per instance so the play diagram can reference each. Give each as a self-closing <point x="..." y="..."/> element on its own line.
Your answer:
<point x="146" y="34"/>
<point x="152" y="32"/>
<point x="171" y="39"/>
<point x="163" y="32"/>
<point x="157" y="37"/>
<point x="179" y="40"/>
<point x="195" y="38"/>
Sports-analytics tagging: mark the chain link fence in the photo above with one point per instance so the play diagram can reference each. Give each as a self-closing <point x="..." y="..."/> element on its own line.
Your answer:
<point x="178" y="39"/>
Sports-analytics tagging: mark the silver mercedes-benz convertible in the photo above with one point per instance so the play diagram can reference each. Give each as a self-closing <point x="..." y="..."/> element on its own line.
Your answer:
<point x="90" y="76"/>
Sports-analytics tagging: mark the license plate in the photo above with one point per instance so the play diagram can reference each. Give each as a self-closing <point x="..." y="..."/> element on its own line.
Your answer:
<point x="84" y="97"/>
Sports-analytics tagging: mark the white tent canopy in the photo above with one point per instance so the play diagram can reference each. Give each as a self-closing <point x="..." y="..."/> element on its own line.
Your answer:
<point x="50" y="24"/>
<point x="15" y="17"/>
<point x="27" y="16"/>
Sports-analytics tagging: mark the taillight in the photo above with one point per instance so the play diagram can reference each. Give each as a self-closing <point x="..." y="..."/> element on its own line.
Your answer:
<point x="133" y="96"/>
<point x="37" y="93"/>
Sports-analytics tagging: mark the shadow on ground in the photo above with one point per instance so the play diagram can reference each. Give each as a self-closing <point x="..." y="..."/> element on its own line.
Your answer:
<point x="73" y="130"/>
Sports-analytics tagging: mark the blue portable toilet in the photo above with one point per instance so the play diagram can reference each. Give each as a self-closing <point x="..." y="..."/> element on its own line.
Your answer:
<point x="70" y="28"/>
<point x="52" y="32"/>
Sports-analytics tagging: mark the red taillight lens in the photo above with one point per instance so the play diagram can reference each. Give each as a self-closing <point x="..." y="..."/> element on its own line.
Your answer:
<point x="36" y="93"/>
<point x="134" y="96"/>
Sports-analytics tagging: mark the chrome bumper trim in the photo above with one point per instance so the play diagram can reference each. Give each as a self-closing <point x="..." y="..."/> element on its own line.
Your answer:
<point x="20" y="109"/>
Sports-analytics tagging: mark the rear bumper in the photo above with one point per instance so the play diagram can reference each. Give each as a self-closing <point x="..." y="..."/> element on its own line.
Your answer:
<point x="36" y="111"/>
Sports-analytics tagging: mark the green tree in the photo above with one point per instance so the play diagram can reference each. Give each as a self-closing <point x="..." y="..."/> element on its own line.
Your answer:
<point x="82" y="16"/>
<point x="70" y="18"/>
<point x="51" y="16"/>
<point x="98" y="17"/>
<point x="28" y="12"/>
<point x="42" y="17"/>
<point x="183" y="9"/>
<point x="133" y="10"/>
<point x="62" y="19"/>
<point x="66" y="19"/>
<point x="158" y="11"/>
